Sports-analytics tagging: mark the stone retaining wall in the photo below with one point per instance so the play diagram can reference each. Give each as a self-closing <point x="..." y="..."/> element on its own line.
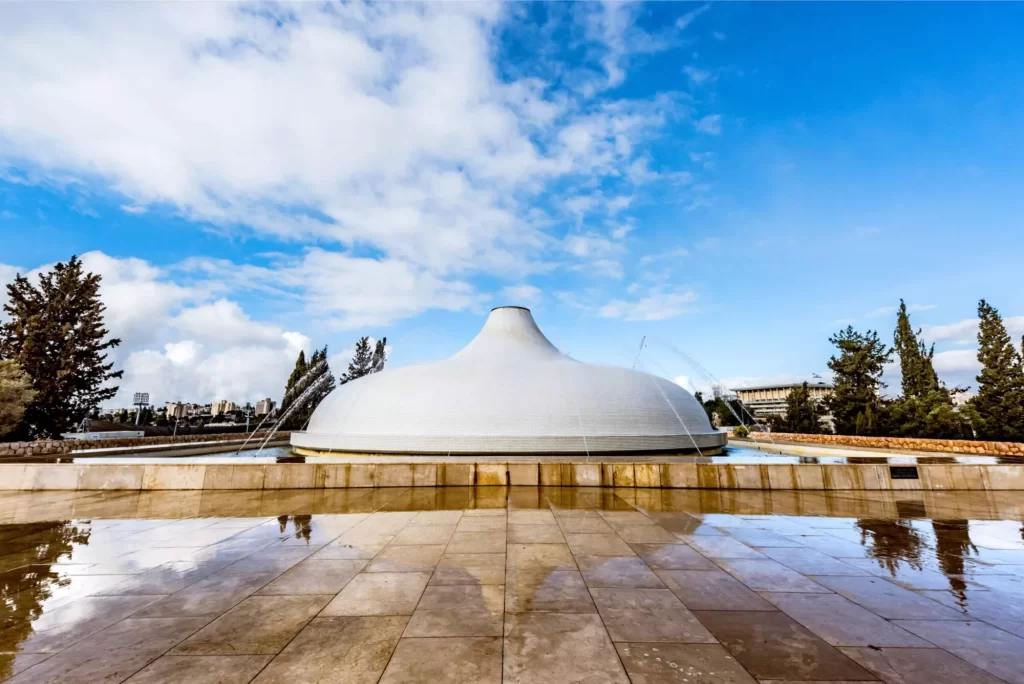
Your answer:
<point x="956" y="446"/>
<point x="58" y="447"/>
<point x="827" y="477"/>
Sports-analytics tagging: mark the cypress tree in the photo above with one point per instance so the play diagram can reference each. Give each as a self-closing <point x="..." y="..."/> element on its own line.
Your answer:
<point x="297" y="374"/>
<point x="925" y="408"/>
<point x="56" y="334"/>
<point x="803" y="414"/>
<point x="362" y="360"/>
<point x="379" y="355"/>
<point x="855" y="402"/>
<point x="997" y="412"/>
<point x="317" y="370"/>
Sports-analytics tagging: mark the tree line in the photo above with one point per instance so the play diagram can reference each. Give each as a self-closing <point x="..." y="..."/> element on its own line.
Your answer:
<point x="55" y="370"/>
<point x="925" y="406"/>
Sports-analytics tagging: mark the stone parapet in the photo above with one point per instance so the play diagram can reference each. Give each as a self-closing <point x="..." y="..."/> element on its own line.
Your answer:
<point x="256" y="476"/>
<point x="58" y="447"/>
<point x="955" y="446"/>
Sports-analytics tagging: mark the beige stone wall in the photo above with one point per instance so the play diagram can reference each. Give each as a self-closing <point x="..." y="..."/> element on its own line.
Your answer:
<point x="704" y="476"/>
<point x="58" y="447"/>
<point x="956" y="446"/>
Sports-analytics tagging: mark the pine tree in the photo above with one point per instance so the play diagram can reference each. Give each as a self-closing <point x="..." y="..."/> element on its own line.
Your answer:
<point x="855" y="402"/>
<point x="362" y="361"/>
<point x="15" y="394"/>
<point x="925" y="408"/>
<point x="997" y="412"/>
<point x="56" y="334"/>
<point x="380" y="355"/>
<point x="803" y="414"/>
<point x="318" y="376"/>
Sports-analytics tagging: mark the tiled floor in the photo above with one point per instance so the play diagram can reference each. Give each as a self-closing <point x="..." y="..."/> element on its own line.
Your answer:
<point x="511" y="585"/>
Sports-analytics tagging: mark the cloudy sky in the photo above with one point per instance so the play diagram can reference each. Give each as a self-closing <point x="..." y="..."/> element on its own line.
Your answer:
<point x="735" y="181"/>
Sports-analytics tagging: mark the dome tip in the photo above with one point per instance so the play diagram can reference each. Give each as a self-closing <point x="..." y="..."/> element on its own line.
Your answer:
<point x="510" y="306"/>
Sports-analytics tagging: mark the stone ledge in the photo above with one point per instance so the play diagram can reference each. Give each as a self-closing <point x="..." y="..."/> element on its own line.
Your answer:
<point x="956" y="446"/>
<point x="726" y="476"/>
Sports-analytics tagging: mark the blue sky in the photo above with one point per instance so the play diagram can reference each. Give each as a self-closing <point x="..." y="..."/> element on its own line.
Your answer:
<point x="736" y="180"/>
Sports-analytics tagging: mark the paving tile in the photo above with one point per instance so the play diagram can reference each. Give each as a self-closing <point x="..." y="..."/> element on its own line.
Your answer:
<point x="648" y="615"/>
<point x="841" y="622"/>
<point x="419" y="558"/>
<point x="774" y="646"/>
<point x="436" y="518"/>
<point x="672" y="557"/>
<point x="647" y="663"/>
<point x="424" y="534"/>
<point x="558" y="591"/>
<point x="812" y="562"/>
<point x="470" y="568"/>
<point x="712" y="590"/>
<point x="762" y="538"/>
<point x="531" y="518"/>
<point x="535" y="534"/>
<point x="209" y="597"/>
<point x="1005" y="611"/>
<point x="223" y="669"/>
<point x="617" y="571"/>
<point x="353" y="549"/>
<point x="918" y="666"/>
<point x="477" y="542"/>
<point x="889" y="600"/>
<point x="259" y="625"/>
<point x="769" y="575"/>
<point x="541" y="648"/>
<point x="540" y="556"/>
<point x="723" y="547"/>
<point x="380" y="593"/>
<point x="458" y="611"/>
<point x="345" y="650"/>
<point x="13" y="663"/>
<point x="315" y="577"/>
<point x="56" y="630"/>
<point x="472" y="660"/>
<point x="482" y="524"/>
<point x="587" y="524"/>
<point x="986" y="647"/>
<point x="918" y="579"/>
<point x="273" y="559"/>
<point x="113" y="654"/>
<point x="645" y="534"/>
<point x="598" y="545"/>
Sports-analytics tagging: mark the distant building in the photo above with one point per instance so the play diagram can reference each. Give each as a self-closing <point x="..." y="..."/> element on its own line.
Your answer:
<point x="264" y="406"/>
<point x="770" y="400"/>
<point x="176" y="410"/>
<point x="223" y="406"/>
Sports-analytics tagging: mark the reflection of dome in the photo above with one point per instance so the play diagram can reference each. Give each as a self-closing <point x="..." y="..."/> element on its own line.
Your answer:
<point x="509" y="391"/>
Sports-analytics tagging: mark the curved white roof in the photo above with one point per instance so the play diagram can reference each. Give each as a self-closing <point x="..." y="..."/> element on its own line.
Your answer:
<point x="509" y="391"/>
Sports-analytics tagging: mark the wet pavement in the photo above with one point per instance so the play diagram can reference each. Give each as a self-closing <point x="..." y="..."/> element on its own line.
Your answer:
<point x="511" y="585"/>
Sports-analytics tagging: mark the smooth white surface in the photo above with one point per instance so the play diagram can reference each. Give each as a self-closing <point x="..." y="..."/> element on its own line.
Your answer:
<point x="509" y="391"/>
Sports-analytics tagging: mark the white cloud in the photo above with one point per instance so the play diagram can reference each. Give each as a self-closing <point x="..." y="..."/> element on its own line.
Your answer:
<point x="521" y="294"/>
<point x="710" y="124"/>
<point x="957" y="361"/>
<point x="670" y="255"/>
<point x="658" y="304"/>
<point x="966" y="331"/>
<point x="379" y="125"/>
<point x="698" y="76"/>
<point x="889" y="310"/>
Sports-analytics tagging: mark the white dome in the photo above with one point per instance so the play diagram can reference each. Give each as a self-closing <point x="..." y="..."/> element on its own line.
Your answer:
<point x="509" y="391"/>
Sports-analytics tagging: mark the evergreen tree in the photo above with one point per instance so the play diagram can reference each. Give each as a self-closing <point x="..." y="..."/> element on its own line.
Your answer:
<point x="925" y="408"/>
<point x="855" y="402"/>
<point x="15" y="394"/>
<point x="803" y="414"/>
<point x="318" y="375"/>
<point x="298" y="373"/>
<point x="997" y="412"/>
<point x="362" y="361"/>
<point x="380" y="355"/>
<point x="56" y="334"/>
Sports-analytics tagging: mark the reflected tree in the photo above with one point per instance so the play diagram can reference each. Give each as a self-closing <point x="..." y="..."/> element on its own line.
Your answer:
<point x="891" y="541"/>
<point x="25" y="589"/>
<point x="302" y="524"/>
<point x="952" y="545"/>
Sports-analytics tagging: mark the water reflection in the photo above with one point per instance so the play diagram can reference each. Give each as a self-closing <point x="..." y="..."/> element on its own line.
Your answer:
<point x="302" y="525"/>
<point x="29" y="577"/>
<point x="890" y="542"/>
